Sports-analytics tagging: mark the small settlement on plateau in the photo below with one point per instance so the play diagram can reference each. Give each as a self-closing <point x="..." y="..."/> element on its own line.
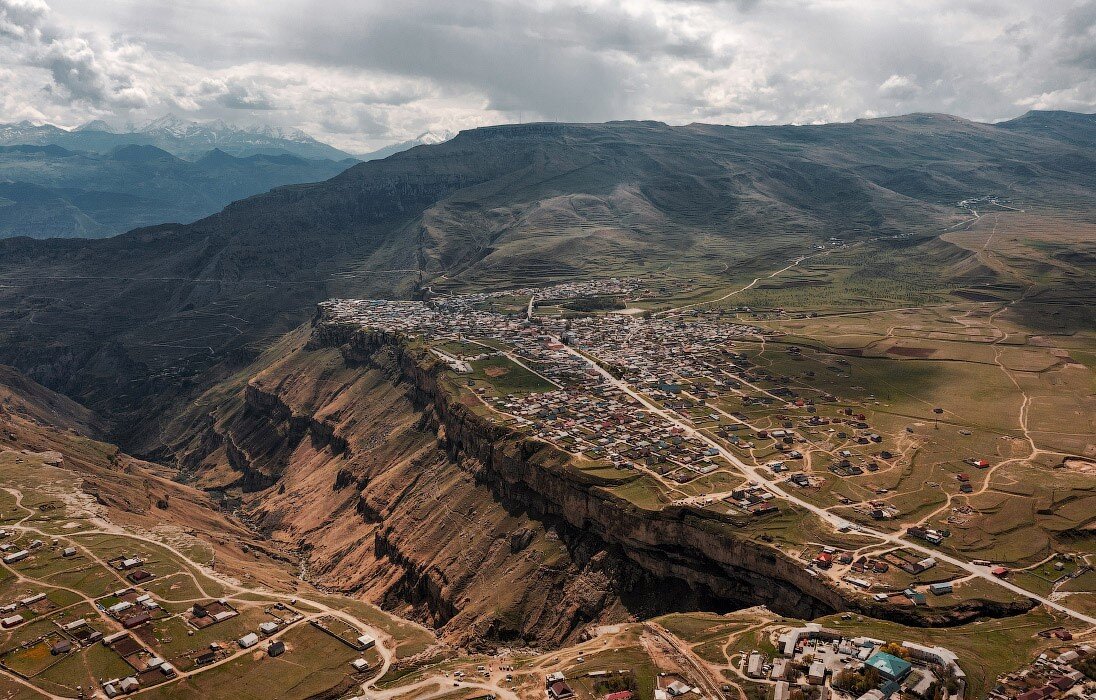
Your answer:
<point x="579" y="408"/>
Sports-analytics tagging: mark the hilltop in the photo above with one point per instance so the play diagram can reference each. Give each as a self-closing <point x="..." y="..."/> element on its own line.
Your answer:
<point x="123" y="322"/>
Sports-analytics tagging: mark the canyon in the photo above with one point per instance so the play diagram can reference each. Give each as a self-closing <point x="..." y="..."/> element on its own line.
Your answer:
<point x="354" y="450"/>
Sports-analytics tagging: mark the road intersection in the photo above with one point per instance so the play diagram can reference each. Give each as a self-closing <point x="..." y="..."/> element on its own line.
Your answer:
<point x="753" y="473"/>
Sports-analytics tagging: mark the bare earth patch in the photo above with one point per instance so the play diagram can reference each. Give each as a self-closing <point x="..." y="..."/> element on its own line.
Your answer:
<point x="1079" y="466"/>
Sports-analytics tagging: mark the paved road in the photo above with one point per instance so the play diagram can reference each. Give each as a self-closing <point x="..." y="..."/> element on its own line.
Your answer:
<point x="833" y="519"/>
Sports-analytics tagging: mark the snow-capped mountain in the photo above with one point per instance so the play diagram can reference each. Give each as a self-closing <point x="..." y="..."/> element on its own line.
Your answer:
<point x="428" y="138"/>
<point x="97" y="125"/>
<point x="235" y="140"/>
<point x="26" y="132"/>
<point x="178" y="136"/>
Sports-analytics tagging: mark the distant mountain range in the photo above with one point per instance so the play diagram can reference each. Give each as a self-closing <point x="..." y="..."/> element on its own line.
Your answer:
<point x="180" y="137"/>
<point x="192" y="139"/>
<point x="124" y="322"/>
<point x="50" y="191"/>
<point x="429" y="138"/>
<point x="97" y="180"/>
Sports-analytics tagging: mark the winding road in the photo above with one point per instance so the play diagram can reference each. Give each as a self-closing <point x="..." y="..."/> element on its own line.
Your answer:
<point x="837" y="522"/>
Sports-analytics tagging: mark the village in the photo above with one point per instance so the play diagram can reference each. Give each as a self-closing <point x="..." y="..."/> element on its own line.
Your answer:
<point x="815" y="662"/>
<point x="672" y="395"/>
<point x="831" y="664"/>
<point x="1067" y="671"/>
<point x="91" y="617"/>
<point x="576" y="409"/>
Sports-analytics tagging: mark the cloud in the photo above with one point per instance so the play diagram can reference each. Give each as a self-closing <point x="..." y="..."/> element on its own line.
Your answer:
<point x="20" y="19"/>
<point x="899" y="87"/>
<point x="245" y="94"/>
<point x="361" y="73"/>
<point x="81" y="71"/>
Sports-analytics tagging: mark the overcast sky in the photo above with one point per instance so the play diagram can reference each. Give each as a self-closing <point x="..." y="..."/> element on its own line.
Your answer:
<point x="363" y="73"/>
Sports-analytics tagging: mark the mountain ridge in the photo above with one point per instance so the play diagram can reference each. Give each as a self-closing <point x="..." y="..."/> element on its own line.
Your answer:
<point x="51" y="191"/>
<point x="427" y="138"/>
<point x="181" y="137"/>
<point x="497" y="207"/>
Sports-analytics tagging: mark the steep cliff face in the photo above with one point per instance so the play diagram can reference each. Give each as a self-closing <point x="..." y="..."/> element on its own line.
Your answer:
<point x="45" y="429"/>
<point x="341" y="460"/>
<point x="393" y="485"/>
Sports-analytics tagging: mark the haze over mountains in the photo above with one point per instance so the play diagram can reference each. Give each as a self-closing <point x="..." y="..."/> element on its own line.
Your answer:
<point x="181" y="137"/>
<point x="123" y="323"/>
<point x="49" y="191"/>
<point x="427" y="138"/>
<point x="96" y="181"/>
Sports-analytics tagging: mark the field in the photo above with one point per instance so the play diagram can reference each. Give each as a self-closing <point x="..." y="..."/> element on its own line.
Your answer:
<point x="504" y="376"/>
<point x="314" y="663"/>
<point x="38" y="500"/>
<point x="945" y="382"/>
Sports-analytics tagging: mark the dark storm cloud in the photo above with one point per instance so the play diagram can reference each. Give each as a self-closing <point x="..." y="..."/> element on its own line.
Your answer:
<point x="361" y="72"/>
<point x="566" y="62"/>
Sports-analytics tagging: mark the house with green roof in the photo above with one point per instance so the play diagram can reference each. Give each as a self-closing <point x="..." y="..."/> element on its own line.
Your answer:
<point x="890" y="667"/>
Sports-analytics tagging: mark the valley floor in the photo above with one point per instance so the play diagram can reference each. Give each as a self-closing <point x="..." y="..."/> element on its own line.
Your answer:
<point x="502" y="494"/>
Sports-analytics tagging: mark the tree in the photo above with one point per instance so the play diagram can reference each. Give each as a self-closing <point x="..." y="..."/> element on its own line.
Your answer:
<point x="896" y="649"/>
<point x="857" y="682"/>
<point x="1088" y="667"/>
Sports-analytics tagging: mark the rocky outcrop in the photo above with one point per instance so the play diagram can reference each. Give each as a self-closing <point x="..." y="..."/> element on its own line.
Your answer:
<point x="691" y="555"/>
<point x="396" y="486"/>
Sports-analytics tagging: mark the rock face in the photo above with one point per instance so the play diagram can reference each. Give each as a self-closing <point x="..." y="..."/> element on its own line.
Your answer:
<point x="393" y="485"/>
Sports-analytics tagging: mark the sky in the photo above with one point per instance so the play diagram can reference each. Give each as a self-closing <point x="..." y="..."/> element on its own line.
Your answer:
<point x="364" y="73"/>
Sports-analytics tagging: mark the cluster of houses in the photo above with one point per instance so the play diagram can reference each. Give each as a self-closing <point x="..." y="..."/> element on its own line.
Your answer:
<point x="203" y="615"/>
<point x="131" y="566"/>
<point x="133" y="608"/>
<point x="586" y="414"/>
<point x="926" y="534"/>
<point x="558" y="687"/>
<point x="149" y="669"/>
<point x="649" y="351"/>
<point x="602" y="422"/>
<point x="813" y="655"/>
<point x="753" y="499"/>
<point x="446" y="315"/>
<point x="36" y="603"/>
<point x="858" y="570"/>
<point x="14" y="553"/>
<point x="1054" y="674"/>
